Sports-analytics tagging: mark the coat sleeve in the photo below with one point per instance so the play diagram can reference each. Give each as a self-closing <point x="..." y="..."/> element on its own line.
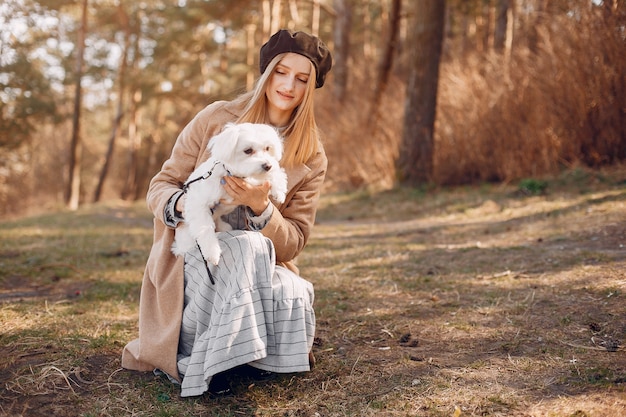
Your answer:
<point x="289" y="227"/>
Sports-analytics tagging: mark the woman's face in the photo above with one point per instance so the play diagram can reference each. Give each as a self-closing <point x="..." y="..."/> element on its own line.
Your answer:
<point x="287" y="86"/>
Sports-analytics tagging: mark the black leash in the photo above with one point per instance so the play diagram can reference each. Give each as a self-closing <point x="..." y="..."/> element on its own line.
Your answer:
<point x="205" y="176"/>
<point x="206" y="265"/>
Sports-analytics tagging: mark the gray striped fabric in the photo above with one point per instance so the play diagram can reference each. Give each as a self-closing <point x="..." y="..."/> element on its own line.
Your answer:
<point x="256" y="313"/>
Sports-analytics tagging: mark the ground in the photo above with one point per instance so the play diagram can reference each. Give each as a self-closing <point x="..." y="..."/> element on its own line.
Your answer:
<point x="494" y="300"/>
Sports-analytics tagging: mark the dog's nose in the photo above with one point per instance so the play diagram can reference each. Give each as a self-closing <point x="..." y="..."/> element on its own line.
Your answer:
<point x="267" y="166"/>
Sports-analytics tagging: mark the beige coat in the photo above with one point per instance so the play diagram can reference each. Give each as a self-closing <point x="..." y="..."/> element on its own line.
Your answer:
<point x="161" y="302"/>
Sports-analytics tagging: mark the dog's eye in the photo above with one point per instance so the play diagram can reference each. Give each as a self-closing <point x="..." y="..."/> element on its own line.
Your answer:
<point x="267" y="149"/>
<point x="249" y="151"/>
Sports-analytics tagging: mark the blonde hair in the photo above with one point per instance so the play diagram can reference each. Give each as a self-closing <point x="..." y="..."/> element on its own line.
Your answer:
<point x="301" y="134"/>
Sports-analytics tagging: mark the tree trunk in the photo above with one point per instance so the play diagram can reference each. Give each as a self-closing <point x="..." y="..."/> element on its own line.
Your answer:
<point x="416" y="157"/>
<point x="109" y="155"/>
<point x="124" y="21"/>
<point x="508" y="40"/>
<point x="276" y="13"/>
<point x="500" y="33"/>
<point x="155" y="140"/>
<point x="266" y="13"/>
<point x="315" y="18"/>
<point x="73" y="190"/>
<point x="534" y="36"/>
<point x="343" y="25"/>
<point x="134" y="144"/>
<point x="386" y="61"/>
<point x="368" y="49"/>
<point x="296" y="19"/>
<point x="251" y="48"/>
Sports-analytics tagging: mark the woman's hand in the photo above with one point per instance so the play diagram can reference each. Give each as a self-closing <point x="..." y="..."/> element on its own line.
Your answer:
<point x="255" y="197"/>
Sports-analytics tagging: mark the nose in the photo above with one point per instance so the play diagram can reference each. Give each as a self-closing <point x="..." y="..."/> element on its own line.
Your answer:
<point x="290" y="84"/>
<point x="266" y="166"/>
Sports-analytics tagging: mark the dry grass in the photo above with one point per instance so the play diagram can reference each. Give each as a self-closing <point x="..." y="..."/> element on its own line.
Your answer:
<point x="445" y="302"/>
<point x="499" y="119"/>
<point x="551" y="106"/>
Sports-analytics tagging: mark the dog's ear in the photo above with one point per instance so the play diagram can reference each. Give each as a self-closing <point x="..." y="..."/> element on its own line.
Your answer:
<point x="223" y="145"/>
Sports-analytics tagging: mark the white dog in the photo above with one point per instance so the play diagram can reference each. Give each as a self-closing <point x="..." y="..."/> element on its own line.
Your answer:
<point x="248" y="150"/>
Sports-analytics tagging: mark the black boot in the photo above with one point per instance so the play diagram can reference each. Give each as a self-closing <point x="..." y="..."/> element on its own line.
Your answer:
<point x="220" y="385"/>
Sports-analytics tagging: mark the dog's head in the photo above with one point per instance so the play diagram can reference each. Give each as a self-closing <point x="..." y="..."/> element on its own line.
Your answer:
<point x="247" y="149"/>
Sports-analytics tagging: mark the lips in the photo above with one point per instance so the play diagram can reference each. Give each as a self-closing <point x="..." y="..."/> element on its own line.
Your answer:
<point x="285" y="95"/>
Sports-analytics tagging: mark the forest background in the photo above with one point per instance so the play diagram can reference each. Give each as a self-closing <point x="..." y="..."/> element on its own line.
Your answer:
<point x="94" y="93"/>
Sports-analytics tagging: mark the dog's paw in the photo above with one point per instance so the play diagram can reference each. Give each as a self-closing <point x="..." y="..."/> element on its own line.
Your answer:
<point x="176" y="249"/>
<point x="183" y="243"/>
<point x="214" y="257"/>
<point x="279" y="193"/>
<point x="279" y="186"/>
<point x="211" y="251"/>
<point x="279" y="196"/>
<point x="222" y="226"/>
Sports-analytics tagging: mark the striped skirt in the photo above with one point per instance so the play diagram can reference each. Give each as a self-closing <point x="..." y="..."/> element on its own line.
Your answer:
<point x="256" y="313"/>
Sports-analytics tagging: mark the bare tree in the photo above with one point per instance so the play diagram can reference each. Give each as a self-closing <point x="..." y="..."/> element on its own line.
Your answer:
<point x="277" y="8"/>
<point x="386" y="60"/>
<point x="541" y="9"/>
<point x="266" y="15"/>
<point x="343" y="25"/>
<point x="416" y="158"/>
<point x="130" y="189"/>
<point x="125" y="23"/>
<point x="368" y="48"/>
<point x="296" y="19"/>
<point x="499" y="37"/>
<point x="503" y="32"/>
<point x="129" y="192"/>
<point x="315" y="18"/>
<point x="73" y="190"/>
<point x="250" y="55"/>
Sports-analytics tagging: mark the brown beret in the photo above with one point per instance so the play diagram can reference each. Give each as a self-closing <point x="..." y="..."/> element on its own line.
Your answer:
<point x="300" y="43"/>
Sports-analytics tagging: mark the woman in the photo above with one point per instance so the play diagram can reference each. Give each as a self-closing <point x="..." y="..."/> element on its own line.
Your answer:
<point x="259" y="311"/>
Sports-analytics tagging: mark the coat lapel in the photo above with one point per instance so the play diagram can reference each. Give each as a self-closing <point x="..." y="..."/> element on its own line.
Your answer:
<point x="295" y="175"/>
